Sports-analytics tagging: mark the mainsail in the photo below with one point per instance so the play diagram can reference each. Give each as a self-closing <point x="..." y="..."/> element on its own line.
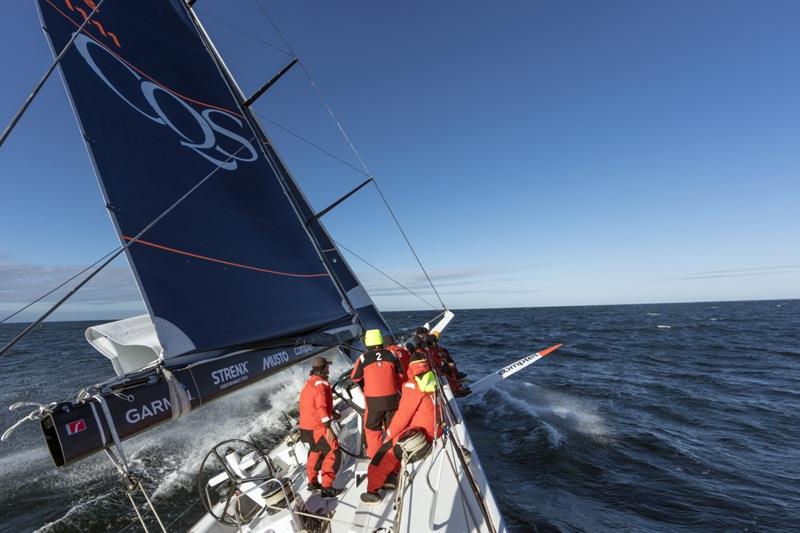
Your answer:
<point x="234" y="264"/>
<point x="240" y="281"/>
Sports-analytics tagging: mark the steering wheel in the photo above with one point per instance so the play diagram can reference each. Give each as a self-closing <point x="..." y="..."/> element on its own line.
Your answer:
<point x="231" y="486"/>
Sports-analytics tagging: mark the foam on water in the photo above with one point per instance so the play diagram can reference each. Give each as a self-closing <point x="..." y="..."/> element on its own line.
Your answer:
<point x="561" y="413"/>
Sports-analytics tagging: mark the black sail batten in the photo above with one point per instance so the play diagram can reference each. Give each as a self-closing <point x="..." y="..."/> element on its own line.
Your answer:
<point x="234" y="264"/>
<point x="356" y="295"/>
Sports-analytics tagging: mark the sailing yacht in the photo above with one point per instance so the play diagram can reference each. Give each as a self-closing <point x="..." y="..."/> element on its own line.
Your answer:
<point x="240" y="279"/>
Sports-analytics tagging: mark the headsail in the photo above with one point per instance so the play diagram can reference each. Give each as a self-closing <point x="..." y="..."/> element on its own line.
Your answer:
<point x="234" y="264"/>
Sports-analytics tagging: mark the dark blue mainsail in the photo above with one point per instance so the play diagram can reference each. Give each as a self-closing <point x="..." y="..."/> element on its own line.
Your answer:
<point x="357" y="296"/>
<point x="234" y="264"/>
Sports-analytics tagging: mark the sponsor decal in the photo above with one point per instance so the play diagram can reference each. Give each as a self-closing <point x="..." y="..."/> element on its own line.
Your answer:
<point x="518" y="364"/>
<point x="230" y="375"/>
<point x="303" y="349"/>
<point x="198" y="130"/>
<point x="275" y="359"/>
<point x="76" y="426"/>
<point x="138" y="414"/>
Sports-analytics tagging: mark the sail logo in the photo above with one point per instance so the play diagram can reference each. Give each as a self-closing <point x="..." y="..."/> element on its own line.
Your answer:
<point x="76" y="426"/>
<point x="230" y="375"/>
<point x="92" y="5"/>
<point x="275" y="359"/>
<point x="200" y="132"/>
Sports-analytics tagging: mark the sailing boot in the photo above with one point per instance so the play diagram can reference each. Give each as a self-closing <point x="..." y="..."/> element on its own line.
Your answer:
<point x="371" y="498"/>
<point x="461" y="375"/>
<point x="314" y="486"/>
<point x="330" y="492"/>
<point x="391" y="482"/>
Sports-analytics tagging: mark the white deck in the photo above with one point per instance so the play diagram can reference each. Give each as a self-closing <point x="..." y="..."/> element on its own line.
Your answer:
<point x="439" y="498"/>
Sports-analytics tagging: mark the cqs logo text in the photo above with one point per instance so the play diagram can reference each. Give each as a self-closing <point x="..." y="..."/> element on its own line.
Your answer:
<point x="144" y="91"/>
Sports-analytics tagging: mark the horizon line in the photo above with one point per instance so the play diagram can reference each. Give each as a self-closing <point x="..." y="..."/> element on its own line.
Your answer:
<point x="491" y="308"/>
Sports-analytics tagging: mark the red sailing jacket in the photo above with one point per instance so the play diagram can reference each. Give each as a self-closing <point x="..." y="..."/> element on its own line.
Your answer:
<point x="417" y="410"/>
<point x="380" y="371"/>
<point x="316" y="403"/>
<point x="403" y="356"/>
<point x="436" y="359"/>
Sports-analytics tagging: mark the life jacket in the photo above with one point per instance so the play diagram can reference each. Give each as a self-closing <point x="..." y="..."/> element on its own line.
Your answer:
<point x="316" y="403"/>
<point x="415" y="365"/>
<point x="379" y="370"/>
<point x="417" y="409"/>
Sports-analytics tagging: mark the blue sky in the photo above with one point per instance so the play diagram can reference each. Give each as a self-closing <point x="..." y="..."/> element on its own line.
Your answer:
<point x="538" y="153"/>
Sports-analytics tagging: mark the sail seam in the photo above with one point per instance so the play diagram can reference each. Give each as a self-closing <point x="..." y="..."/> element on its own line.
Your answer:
<point x="222" y="261"/>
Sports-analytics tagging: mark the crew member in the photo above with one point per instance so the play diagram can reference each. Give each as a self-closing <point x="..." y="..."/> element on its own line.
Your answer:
<point x="445" y="368"/>
<point x="378" y="371"/>
<point x="316" y="414"/>
<point x="417" y="413"/>
<point x="402" y="354"/>
<point x="446" y="357"/>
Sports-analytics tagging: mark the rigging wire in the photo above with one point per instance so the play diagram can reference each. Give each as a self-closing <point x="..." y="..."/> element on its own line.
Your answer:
<point x="352" y="148"/>
<point x="118" y="251"/>
<point x="385" y="274"/>
<point x="311" y="143"/>
<point x="38" y="86"/>
<point x="231" y="26"/>
<point x="54" y="289"/>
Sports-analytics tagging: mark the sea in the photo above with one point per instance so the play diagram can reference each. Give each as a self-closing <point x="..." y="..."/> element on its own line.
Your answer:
<point x="665" y="417"/>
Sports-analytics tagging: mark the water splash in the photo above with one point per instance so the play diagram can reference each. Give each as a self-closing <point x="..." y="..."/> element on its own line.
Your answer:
<point x="559" y="412"/>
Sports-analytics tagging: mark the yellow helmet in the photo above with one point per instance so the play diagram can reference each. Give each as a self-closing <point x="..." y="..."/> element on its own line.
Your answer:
<point x="373" y="338"/>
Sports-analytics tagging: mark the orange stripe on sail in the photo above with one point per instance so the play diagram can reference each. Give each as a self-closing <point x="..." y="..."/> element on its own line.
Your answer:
<point x="222" y="261"/>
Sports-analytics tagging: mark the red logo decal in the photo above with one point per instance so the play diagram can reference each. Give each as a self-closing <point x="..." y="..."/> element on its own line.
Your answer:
<point x="76" y="426"/>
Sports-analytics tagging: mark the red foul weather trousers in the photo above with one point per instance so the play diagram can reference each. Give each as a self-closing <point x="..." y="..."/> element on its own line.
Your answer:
<point x="323" y="456"/>
<point x="376" y="419"/>
<point x="385" y="462"/>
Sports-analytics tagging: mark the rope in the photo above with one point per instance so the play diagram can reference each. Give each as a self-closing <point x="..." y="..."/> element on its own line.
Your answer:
<point x="152" y="508"/>
<point x="38" y="87"/>
<point x="231" y="26"/>
<point x="352" y="148"/>
<point x="311" y="143"/>
<point x="54" y="289"/>
<point x="138" y="514"/>
<point x="385" y="274"/>
<point x="37" y="414"/>
<point x="408" y="242"/>
<point x="118" y="251"/>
